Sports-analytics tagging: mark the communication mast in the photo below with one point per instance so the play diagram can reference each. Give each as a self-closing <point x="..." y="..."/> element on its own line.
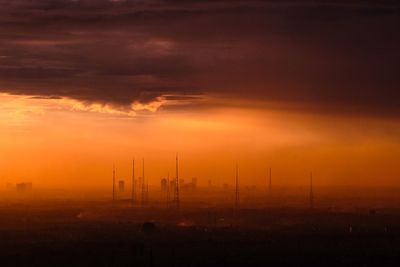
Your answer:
<point x="237" y="188"/>
<point x="113" y="186"/>
<point x="143" y="185"/>
<point x="177" y="200"/>
<point x="133" y="181"/>
<point x="311" y="192"/>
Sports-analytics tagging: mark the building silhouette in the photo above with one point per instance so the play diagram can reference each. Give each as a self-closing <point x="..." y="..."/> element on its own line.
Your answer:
<point x="164" y="185"/>
<point x="121" y="186"/>
<point x="23" y="187"/>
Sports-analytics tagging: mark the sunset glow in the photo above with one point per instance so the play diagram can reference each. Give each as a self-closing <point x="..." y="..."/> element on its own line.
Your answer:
<point x="224" y="133"/>
<point x="84" y="140"/>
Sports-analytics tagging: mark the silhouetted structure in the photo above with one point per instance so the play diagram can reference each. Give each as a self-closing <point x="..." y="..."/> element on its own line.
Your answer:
<point x="176" y="197"/>
<point x="168" y="191"/>
<point x="133" y="182"/>
<point x="270" y="182"/>
<point x="113" y="186"/>
<point x="164" y="185"/>
<point x="237" y="188"/>
<point x="143" y="186"/>
<point x="121" y="186"/>
<point x="311" y="192"/>
<point x="22" y="187"/>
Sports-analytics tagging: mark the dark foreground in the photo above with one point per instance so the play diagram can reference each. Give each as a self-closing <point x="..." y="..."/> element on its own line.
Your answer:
<point x="99" y="235"/>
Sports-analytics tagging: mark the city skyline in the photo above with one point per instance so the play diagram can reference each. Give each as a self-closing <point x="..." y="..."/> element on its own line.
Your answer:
<point x="215" y="81"/>
<point x="223" y="133"/>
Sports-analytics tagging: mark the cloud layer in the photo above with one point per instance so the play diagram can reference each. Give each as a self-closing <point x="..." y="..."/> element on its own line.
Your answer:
<point x="337" y="57"/>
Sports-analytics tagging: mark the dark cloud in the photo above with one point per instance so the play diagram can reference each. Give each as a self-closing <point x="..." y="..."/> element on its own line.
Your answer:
<point x="339" y="57"/>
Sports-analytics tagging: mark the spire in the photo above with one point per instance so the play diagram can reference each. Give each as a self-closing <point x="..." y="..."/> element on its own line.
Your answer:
<point x="177" y="200"/>
<point x="311" y="192"/>
<point x="237" y="188"/>
<point x="113" y="186"/>
<point x="133" y="181"/>
<point x="143" y="184"/>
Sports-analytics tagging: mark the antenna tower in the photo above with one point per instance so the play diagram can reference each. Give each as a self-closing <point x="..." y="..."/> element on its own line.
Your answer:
<point x="177" y="200"/>
<point x="311" y="192"/>
<point x="237" y="188"/>
<point x="143" y="185"/>
<point x="133" y="181"/>
<point x="113" y="187"/>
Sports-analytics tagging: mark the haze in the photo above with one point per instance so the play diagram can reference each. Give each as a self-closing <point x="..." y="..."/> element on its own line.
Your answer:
<point x="292" y="86"/>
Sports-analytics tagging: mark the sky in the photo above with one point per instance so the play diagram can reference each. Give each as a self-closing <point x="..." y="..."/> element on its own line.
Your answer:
<point x="297" y="86"/>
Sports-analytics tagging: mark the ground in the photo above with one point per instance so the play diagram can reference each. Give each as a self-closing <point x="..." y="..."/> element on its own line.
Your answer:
<point x="105" y="234"/>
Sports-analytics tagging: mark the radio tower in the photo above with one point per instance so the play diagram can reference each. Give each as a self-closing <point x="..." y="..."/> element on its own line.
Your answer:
<point x="143" y="185"/>
<point x="133" y="181"/>
<point x="113" y="187"/>
<point x="311" y="192"/>
<point x="177" y="201"/>
<point x="237" y="188"/>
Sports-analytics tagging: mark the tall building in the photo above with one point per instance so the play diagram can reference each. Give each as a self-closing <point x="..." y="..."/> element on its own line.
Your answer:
<point x="121" y="186"/>
<point x="164" y="185"/>
<point x="22" y="187"/>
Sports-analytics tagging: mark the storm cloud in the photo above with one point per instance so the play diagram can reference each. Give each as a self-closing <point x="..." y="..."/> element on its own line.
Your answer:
<point x="339" y="57"/>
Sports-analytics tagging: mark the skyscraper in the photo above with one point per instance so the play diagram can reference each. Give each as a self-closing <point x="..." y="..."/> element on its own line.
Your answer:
<point x="121" y="186"/>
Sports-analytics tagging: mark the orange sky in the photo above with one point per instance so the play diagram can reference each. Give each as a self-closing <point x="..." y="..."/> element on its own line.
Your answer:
<point x="292" y="85"/>
<point x="63" y="143"/>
